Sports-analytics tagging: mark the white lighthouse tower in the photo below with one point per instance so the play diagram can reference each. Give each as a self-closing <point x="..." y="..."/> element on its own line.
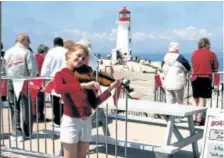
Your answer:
<point x="124" y="40"/>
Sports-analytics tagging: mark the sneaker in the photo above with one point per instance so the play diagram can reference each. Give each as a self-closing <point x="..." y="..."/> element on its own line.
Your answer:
<point x="19" y="138"/>
<point x="199" y="123"/>
<point x="28" y="137"/>
<point x="55" y="125"/>
<point x="41" y="119"/>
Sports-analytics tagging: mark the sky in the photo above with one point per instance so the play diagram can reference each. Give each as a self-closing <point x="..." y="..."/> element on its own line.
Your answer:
<point x="154" y="24"/>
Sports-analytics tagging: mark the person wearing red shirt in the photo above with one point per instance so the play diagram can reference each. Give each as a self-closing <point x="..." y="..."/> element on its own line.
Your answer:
<point x="76" y="123"/>
<point x="3" y="83"/>
<point x="39" y="57"/>
<point x="204" y="63"/>
<point x="41" y="53"/>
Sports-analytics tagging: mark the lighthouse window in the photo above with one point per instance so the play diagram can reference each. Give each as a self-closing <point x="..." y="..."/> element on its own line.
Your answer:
<point x="129" y="40"/>
<point x="129" y="28"/>
<point x="124" y="15"/>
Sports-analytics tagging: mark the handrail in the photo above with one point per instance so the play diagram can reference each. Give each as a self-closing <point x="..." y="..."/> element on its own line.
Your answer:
<point x="26" y="78"/>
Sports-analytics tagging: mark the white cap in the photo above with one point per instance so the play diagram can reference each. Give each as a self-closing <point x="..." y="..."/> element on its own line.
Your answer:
<point x="173" y="46"/>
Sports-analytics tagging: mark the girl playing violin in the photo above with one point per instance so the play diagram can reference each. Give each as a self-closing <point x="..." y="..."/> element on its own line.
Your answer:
<point x="76" y="123"/>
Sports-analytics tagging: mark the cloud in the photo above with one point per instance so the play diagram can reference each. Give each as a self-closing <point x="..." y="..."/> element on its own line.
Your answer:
<point x="80" y="34"/>
<point x="141" y="36"/>
<point x="189" y="33"/>
<point x="164" y="37"/>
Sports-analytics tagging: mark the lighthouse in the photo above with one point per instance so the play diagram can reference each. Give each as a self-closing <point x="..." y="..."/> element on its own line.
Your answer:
<point x="124" y="40"/>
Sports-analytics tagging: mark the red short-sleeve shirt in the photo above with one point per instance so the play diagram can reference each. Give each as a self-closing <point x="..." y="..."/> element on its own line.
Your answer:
<point x="204" y="62"/>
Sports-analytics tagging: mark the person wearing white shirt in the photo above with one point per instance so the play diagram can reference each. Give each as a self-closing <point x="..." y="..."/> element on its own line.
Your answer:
<point x="175" y="68"/>
<point x="20" y="62"/>
<point x="55" y="59"/>
<point x="54" y="62"/>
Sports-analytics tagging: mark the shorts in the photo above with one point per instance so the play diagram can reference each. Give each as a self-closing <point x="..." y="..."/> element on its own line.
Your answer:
<point x="74" y="130"/>
<point x="202" y="87"/>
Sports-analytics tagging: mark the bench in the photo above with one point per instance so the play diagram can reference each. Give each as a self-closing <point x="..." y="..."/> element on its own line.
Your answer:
<point x="170" y="110"/>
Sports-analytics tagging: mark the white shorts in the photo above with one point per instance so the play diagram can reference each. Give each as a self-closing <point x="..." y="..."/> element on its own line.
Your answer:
<point x="74" y="130"/>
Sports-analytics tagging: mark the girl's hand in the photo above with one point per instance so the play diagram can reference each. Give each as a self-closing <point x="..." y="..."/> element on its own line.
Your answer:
<point x="91" y="85"/>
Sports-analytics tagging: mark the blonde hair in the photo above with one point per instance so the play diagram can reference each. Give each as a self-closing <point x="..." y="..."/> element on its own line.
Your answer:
<point x="68" y="44"/>
<point x="76" y="47"/>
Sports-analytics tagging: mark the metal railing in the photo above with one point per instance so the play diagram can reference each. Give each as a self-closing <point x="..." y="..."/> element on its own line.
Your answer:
<point x="37" y="136"/>
<point x="43" y="140"/>
<point x="216" y="101"/>
<point x="44" y="136"/>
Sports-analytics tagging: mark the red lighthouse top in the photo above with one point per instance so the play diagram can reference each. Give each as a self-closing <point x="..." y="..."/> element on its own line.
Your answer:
<point x="124" y="15"/>
<point x="124" y="10"/>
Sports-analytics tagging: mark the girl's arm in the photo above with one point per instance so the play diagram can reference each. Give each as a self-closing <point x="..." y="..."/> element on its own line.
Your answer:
<point x="62" y="88"/>
<point x="101" y="98"/>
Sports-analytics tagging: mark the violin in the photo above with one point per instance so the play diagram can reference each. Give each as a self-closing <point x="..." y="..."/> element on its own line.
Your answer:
<point x="86" y="74"/>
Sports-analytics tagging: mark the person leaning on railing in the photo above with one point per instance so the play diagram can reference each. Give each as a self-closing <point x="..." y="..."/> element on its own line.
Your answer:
<point x="2" y="61"/>
<point x="54" y="61"/>
<point x="204" y="63"/>
<point x="39" y="57"/>
<point x="175" y="68"/>
<point x="3" y="82"/>
<point x="76" y="125"/>
<point x="20" y="62"/>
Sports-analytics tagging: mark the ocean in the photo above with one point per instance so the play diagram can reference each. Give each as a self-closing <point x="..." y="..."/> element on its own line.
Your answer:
<point x="159" y="57"/>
